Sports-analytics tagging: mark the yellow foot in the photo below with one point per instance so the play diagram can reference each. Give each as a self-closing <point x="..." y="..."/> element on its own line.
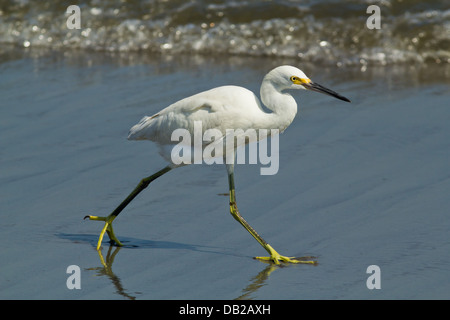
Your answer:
<point x="276" y="258"/>
<point x="107" y="228"/>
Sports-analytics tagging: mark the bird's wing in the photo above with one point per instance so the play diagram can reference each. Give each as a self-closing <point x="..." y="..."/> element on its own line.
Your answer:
<point x="180" y="115"/>
<point x="220" y="108"/>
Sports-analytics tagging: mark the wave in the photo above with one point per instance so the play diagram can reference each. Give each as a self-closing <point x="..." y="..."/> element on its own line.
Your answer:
<point x="327" y="32"/>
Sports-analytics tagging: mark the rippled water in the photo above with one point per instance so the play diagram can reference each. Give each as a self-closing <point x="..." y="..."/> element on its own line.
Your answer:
<point x="326" y="31"/>
<point x="359" y="184"/>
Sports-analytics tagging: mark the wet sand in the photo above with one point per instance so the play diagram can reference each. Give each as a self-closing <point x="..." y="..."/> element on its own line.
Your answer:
<point x="359" y="184"/>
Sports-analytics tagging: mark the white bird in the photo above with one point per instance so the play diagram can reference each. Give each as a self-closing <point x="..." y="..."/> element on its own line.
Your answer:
<point x="222" y="108"/>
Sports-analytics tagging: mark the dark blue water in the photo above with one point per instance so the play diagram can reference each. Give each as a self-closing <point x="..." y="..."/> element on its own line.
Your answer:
<point x="359" y="184"/>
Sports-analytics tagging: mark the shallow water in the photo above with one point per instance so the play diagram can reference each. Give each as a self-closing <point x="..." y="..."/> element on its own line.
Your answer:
<point x="359" y="184"/>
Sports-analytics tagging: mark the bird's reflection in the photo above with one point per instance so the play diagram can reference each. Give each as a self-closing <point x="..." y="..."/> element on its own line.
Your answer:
<point x="248" y="292"/>
<point x="257" y="282"/>
<point x="260" y="279"/>
<point x="106" y="270"/>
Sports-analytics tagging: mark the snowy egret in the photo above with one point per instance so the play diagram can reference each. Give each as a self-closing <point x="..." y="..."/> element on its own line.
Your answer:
<point x="222" y="108"/>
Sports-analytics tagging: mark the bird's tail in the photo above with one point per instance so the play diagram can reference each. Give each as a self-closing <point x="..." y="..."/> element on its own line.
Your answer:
<point x="142" y="130"/>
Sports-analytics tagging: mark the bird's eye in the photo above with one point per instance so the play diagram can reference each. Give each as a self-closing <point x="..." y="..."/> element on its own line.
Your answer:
<point x="294" y="79"/>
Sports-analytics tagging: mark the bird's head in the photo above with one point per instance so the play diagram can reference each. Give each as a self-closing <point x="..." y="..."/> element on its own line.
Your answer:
<point x="288" y="77"/>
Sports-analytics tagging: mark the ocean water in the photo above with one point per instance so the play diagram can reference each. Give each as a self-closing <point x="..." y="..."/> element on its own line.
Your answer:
<point x="359" y="184"/>
<point x="325" y="31"/>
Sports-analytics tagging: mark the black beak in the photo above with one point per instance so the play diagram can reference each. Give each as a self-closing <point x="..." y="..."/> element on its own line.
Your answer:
<point x="317" y="87"/>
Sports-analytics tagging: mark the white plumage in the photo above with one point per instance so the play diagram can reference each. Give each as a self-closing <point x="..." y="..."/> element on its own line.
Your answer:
<point x="223" y="108"/>
<point x="226" y="107"/>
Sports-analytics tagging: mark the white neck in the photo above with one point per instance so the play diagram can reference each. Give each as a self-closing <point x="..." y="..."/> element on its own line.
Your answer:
<point x="282" y="104"/>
